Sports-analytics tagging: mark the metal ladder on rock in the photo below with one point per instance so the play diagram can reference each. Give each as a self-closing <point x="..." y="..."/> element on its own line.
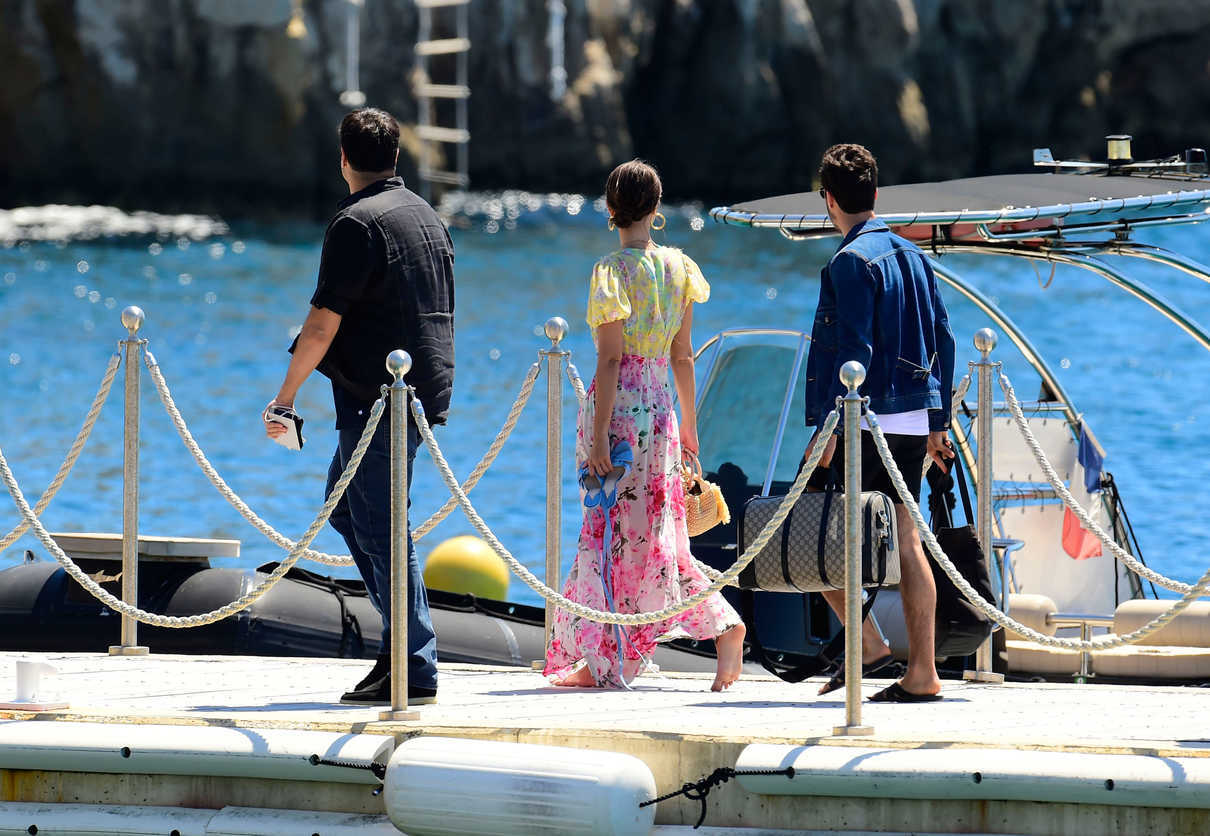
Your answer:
<point x="429" y="94"/>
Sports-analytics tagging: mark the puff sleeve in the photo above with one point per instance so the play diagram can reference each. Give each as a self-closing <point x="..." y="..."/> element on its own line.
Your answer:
<point x="607" y="297"/>
<point x="696" y="288"/>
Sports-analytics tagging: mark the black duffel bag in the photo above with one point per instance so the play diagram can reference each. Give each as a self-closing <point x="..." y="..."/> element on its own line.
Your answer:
<point x="961" y="627"/>
<point x="806" y="554"/>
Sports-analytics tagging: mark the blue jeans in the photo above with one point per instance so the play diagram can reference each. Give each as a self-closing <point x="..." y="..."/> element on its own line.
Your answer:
<point x="363" y="518"/>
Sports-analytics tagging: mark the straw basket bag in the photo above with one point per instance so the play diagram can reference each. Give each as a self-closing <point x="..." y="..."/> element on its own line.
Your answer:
<point x="704" y="504"/>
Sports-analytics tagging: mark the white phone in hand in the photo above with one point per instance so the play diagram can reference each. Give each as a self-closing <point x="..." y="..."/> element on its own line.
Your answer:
<point x="292" y="438"/>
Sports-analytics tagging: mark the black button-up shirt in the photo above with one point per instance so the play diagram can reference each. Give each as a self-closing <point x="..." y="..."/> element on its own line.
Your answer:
<point x="387" y="268"/>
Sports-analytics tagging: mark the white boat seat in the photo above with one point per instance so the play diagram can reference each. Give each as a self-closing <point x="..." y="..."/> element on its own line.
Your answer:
<point x="1178" y="650"/>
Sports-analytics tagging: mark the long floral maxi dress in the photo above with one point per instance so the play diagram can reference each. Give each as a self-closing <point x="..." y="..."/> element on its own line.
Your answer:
<point x="649" y="560"/>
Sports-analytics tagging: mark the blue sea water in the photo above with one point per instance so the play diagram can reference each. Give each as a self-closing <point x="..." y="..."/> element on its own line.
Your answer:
<point x="222" y="310"/>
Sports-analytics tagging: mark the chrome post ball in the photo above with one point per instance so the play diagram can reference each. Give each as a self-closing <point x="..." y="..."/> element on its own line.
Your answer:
<point x="399" y="363"/>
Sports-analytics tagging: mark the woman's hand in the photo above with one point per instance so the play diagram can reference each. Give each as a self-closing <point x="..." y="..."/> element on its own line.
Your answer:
<point x="689" y="439"/>
<point x="599" y="461"/>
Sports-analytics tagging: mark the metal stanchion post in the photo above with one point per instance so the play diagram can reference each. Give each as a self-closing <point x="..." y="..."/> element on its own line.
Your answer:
<point x="399" y="363"/>
<point x="1085" y="656"/>
<point x="556" y="330"/>
<point x="985" y="341"/>
<point x="132" y="319"/>
<point x="852" y="375"/>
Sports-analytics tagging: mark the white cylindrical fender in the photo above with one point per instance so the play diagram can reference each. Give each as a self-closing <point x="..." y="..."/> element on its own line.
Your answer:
<point x="189" y="750"/>
<point x="446" y="785"/>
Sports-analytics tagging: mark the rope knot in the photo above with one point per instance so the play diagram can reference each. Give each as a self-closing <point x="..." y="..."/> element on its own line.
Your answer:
<point x="699" y="790"/>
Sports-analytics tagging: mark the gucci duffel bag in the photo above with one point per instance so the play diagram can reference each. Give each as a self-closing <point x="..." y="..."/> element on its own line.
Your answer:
<point x="806" y="554"/>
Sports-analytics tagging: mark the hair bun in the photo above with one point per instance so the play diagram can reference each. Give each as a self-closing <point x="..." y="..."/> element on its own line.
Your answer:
<point x="623" y="219"/>
<point x="632" y="191"/>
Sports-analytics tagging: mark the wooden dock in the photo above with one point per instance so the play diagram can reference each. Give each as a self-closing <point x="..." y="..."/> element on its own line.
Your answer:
<point x="672" y="722"/>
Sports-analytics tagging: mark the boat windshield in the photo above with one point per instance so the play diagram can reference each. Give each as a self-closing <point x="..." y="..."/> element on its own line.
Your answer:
<point x="751" y="405"/>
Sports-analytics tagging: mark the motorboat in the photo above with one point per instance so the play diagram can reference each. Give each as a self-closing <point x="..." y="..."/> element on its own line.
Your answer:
<point x="1069" y="212"/>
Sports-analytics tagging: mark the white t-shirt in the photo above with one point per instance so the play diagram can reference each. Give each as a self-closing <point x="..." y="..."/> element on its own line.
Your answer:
<point x="915" y="422"/>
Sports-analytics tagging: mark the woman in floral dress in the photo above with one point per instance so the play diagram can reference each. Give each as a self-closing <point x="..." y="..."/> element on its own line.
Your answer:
<point x="640" y="308"/>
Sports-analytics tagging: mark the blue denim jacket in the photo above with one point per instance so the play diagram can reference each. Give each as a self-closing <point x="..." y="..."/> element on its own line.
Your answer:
<point x="878" y="304"/>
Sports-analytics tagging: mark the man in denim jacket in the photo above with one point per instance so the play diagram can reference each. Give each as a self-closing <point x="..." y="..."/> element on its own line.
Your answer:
<point x="879" y="305"/>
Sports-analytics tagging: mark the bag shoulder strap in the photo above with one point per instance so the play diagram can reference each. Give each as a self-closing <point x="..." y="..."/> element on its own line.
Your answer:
<point x="814" y="665"/>
<point x="963" y="490"/>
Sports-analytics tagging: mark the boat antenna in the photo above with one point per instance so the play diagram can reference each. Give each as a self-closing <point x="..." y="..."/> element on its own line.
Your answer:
<point x="352" y="96"/>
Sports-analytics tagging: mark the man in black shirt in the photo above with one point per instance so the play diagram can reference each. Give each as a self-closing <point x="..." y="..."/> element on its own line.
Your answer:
<point x="386" y="281"/>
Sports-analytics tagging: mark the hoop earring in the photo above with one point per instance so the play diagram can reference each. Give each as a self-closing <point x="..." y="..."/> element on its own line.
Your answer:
<point x="663" y="221"/>
<point x="612" y="226"/>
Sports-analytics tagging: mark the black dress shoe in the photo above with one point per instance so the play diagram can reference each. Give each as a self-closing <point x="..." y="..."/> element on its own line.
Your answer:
<point x="382" y="666"/>
<point x="379" y="693"/>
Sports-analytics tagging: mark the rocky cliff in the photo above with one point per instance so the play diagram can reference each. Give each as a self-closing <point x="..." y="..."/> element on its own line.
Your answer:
<point x="208" y="104"/>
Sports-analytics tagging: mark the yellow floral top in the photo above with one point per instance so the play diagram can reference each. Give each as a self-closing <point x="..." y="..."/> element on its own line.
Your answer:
<point x="650" y="290"/>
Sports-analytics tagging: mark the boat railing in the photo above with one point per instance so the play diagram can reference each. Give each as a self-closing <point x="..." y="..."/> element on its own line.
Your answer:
<point x="1086" y="622"/>
<point x="400" y="398"/>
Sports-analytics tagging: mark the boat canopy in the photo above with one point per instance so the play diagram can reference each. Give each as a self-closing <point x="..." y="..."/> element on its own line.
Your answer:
<point x="999" y="203"/>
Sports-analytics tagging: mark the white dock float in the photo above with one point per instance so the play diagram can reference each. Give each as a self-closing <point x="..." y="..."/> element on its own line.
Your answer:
<point x="111" y="748"/>
<point x="19" y="819"/>
<point x="673" y="723"/>
<point x="979" y="774"/>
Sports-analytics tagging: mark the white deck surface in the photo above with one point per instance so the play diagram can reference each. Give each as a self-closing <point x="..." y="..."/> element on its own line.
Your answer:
<point x="303" y="693"/>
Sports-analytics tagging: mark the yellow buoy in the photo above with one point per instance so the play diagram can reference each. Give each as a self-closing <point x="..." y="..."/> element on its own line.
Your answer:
<point x="467" y="565"/>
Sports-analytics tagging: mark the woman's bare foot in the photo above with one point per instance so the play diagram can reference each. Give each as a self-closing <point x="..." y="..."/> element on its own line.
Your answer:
<point x="580" y="678"/>
<point x="729" y="647"/>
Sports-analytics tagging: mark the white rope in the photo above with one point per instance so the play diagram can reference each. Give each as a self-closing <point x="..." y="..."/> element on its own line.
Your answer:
<point x="959" y="393"/>
<point x="1086" y="521"/>
<point x="245" y="600"/>
<point x="182" y="429"/>
<point x="74" y="453"/>
<point x="601" y="616"/>
<point x="273" y="534"/>
<point x="930" y="540"/>
<point x="577" y="385"/>
<point x="527" y="388"/>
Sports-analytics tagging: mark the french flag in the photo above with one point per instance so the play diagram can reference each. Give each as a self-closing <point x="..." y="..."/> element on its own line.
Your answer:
<point x="1079" y="543"/>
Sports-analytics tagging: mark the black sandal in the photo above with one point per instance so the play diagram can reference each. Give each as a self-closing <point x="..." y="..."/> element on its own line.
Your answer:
<point x="897" y="693"/>
<point x="867" y="669"/>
